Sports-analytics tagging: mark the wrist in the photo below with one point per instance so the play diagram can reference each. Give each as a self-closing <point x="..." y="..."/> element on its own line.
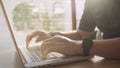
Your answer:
<point x="53" y="33"/>
<point x="92" y="50"/>
<point x="78" y="44"/>
<point x="87" y="45"/>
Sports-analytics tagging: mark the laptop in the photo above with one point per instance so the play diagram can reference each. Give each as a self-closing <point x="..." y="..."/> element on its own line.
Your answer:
<point x="32" y="57"/>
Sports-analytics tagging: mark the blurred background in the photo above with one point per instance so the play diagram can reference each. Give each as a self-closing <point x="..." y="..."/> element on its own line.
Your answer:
<point x="26" y="16"/>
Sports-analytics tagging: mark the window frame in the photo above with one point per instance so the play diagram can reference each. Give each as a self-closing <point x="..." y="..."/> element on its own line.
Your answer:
<point x="73" y="10"/>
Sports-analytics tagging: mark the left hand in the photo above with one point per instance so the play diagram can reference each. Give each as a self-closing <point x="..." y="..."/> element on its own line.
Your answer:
<point x="39" y="35"/>
<point x="61" y="45"/>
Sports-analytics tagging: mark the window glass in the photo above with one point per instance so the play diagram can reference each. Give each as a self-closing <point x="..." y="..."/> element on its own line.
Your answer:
<point x="79" y="10"/>
<point x="26" y="16"/>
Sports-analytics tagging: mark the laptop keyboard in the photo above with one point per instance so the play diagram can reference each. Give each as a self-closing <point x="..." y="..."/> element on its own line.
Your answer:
<point x="33" y="54"/>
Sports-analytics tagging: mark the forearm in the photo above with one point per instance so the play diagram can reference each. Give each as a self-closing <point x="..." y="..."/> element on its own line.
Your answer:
<point x="75" y="35"/>
<point x="108" y="48"/>
<point x="72" y="35"/>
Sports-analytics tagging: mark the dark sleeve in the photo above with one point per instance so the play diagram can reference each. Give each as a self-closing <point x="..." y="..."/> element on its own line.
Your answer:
<point x="87" y="22"/>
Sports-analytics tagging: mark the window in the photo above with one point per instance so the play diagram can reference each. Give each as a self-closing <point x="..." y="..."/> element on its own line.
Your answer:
<point x="25" y="16"/>
<point x="79" y="10"/>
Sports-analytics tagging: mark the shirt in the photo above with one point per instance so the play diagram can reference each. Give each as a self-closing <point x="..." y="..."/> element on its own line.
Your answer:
<point x="105" y="14"/>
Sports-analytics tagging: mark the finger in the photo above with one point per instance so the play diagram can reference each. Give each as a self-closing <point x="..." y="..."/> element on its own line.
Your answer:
<point x="49" y="39"/>
<point x="28" y="40"/>
<point x="52" y="44"/>
<point x="54" y="38"/>
<point x="46" y="52"/>
<point x="43" y="46"/>
<point x="59" y="49"/>
<point x="29" y="37"/>
<point x="40" y="33"/>
<point x="38" y="39"/>
<point x="42" y="53"/>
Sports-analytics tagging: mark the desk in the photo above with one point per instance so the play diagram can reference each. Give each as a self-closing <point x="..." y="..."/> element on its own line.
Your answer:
<point x="9" y="59"/>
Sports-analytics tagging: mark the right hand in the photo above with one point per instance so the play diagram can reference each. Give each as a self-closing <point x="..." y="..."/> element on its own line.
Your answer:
<point x="39" y="35"/>
<point x="61" y="44"/>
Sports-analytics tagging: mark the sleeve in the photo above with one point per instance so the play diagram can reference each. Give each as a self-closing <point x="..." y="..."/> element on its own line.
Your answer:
<point x="87" y="21"/>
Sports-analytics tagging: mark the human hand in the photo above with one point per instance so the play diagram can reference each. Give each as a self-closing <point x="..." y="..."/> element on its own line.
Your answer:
<point x="39" y="35"/>
<point x="61" y="45"/>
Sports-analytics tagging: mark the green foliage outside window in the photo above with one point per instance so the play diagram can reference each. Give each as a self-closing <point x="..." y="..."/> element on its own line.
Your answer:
<point x="25" y="18"/>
